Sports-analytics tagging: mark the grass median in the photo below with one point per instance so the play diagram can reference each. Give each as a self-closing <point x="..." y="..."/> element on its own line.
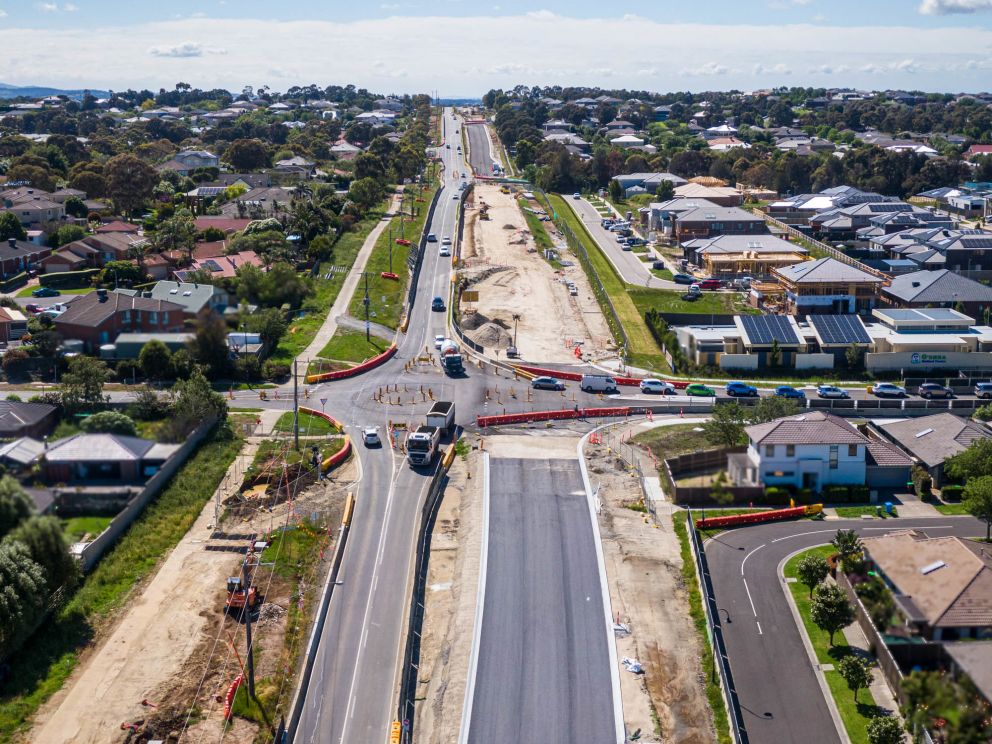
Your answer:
<point x="351" y="346"/>
<point x="310" y="425"/>
<point x="42" y="667"/>
<point x="855" y="715"/>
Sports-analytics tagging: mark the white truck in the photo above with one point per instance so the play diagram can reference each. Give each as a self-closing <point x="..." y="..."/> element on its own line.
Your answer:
<point x="422" y="445"/>
<point x="442" y="415"/>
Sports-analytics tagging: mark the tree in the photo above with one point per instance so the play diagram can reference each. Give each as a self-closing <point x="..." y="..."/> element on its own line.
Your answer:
<point x="65" y="235"/>
<point x="130" y="182"/>
<point x="665" y="191"/>
<point x="616" y="190"/>
<point x="44" y="538"/>
<point x="76" y="207"/>
<point x="847" y="543"/>
<point x="884" y="730"/>
<point x="193" y="401"/>
<point x="247" y="155"/>
<point x="856" y="671"/>
<point x="208" y="346"/>
<point x="109" y="422"/>
<point x="15" y="504"/>
<point x="270" y="324"/>
<point x="773" y="407"/>
<point x="11" y="227"/>
<point x="82" y="385"/>
<point x="830" y="609"/>
<point x="726" y="425"/>
<point x="38" y="176"/>
<point x="122" y="272"/>
<point x="855" y="356"/>
<point x="973" y="462"/>
<point x="22" y="596"/>
<point x="977" y="500"/>
<point x="366" y="192"/>
<point x="719" y="492"/>
<point x="775" y="354"/>
<point x="812" y="570"/>
<point x="177" y="233"/>
<point x="155" y="360"/>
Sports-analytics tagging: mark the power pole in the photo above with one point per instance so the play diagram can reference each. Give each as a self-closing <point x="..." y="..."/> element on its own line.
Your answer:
<point x="296" y="409"/>
<point x="366" y="301"/>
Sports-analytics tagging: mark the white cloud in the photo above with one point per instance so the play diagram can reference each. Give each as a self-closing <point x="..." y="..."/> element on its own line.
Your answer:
<point x="780" y="69"/>
<point x="948" y="7"/>
<point x="48" y="7"/>
<point x="185" y="49"/>
<point x="707" y="68"/>
<point x="3" y="13"/>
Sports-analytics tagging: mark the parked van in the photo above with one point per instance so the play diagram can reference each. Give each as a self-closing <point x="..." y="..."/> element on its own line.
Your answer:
<point x="598" y="384"/>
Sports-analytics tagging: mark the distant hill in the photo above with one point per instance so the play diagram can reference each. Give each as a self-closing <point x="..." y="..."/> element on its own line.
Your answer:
<point x="33" y="91"/>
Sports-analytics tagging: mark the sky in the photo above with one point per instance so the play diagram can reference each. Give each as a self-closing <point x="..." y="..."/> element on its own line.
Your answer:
<point x="459" y="48"/>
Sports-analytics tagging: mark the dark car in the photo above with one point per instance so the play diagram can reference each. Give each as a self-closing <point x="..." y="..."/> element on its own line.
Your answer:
<point x="658" y="265"/>
<point x="432" y="238"/>
<point x="33" y="309"/>
<point x="684" y="279"/>
<point x="547" y="383"/>
<point x="710" y="284"/>
<point x="742" y="390"/>
<point x="437" y="304"/>
<point x="45" y="292"/>
<point x="934" y="390"/>
<point x="787" y="391"/>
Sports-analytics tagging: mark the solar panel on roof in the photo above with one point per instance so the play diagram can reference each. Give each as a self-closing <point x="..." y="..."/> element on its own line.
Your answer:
<point x="976" y="242"/>
<point x="840" y="329"/>
<point x="764" y="329"/>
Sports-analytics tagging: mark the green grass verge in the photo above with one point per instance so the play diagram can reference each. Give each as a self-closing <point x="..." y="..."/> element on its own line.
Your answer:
<point x="76" y="528"/>
<point x="315" y="308"/>
<point x="670" y="441"/>
<point x="40" y="670"/>
<point x="310" y="425"/>
<point x="387" y="296"/>
<point x="950" y="510"/>
<point x="713" y="693"/>
<point x="874" y="510"/>
<point x="26" y="291"/>
<point x="855" y="715"/>
<point x="670" y="301"/>
<point x="351" y="346"/>
<point x="538" y="229"/>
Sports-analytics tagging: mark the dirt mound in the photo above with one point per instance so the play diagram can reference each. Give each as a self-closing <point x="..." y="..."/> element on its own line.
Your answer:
<point x="508" y="226"/>
<point x="472" y="321"/>
<point x="269" y="613"/>
<point x="492" y="336"/>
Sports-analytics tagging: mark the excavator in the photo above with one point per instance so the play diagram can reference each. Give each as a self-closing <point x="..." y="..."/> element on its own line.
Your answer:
<point x="241" y="591"/>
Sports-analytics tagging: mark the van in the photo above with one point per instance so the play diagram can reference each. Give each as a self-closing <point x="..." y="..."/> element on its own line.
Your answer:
<point x="598" y="384"/>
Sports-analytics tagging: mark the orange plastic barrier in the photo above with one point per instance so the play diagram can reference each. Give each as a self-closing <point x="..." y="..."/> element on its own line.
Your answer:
<point x="326" y="416"/>
<point x="342" y="374"/>
<point x="229" y="698"/>
<point x="564" y="413"/>
<point x="562" y="375"/>
<point x="753" y="518"/>
<point x="338" y="457"/>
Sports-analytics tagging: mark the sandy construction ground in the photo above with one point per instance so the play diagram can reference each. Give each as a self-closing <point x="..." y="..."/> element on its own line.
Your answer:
<point x="512" y="279"/>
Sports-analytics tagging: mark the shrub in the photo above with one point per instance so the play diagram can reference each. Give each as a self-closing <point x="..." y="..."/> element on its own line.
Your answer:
<point x="776" y="495"/>
<point x="947" y="493"/>
<point x="109" y="422"/>
<point x="273" y="370"/>
<point x="14" y="361"/>
<point x="128" y="370"/>
<point x="922" y="482"/>
<point x="836" y="494"/>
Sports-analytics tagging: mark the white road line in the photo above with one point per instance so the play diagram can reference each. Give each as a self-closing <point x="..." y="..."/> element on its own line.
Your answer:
<point x="882" y="529"/>
<point x="759" y="627"/>
<point x="746" y="589"/>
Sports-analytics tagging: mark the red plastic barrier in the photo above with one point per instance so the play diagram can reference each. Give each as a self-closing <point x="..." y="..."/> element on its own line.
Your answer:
<point x="229" y="698"/>
<point x="752" y="518"/>
<point x="561" y="375"/>
<point x="390" y="275"/>
<point x="564" y="413"/>
<point x="402" y="241"/>
<point x="338" y="457"/>
<point x="342" y="374"/>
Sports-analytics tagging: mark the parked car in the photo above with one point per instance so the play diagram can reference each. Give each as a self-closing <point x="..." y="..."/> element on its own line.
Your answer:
<point x="887" y="390"/>
<point x="699" y="389"/>
<point x="787" y="391"/>
<point x="983" y="389"/>
<point x="370" y="435"/>
<point x="710" y="284"/>
<point x="829" y="391"/>
<point x="659" y="387"/>
<point x="638" y="241"/>
<point x="658" y="265"/>
<point x="934" y="390"/>
<point x="741" y="390"/>
<point x="683" y="278"/>
<point x="432" y="238"/>
<point x="33" y="309"/>
<point x="45" y="292"/>
<point x="547" y="383"/>
<point x="437" y="305"/>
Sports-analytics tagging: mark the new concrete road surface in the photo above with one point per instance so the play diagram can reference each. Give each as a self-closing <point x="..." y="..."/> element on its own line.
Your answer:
<point x="543" y="670"/>
<point x="780" y="697"/>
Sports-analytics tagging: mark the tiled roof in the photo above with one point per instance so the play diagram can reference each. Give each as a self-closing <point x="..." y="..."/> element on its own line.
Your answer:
<point x="887" y="455"/>
<point x="940" y="285"/>
<point x="14" y="415"/>
<point x="89" y="310"/>
<point x="97" y="447"/>
<point x="810" y="428"/>
<point x="933" y="439"/>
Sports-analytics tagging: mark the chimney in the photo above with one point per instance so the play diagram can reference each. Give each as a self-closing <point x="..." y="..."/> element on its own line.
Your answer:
<point x="12" y="242"/>
<point x="102" y="294"/>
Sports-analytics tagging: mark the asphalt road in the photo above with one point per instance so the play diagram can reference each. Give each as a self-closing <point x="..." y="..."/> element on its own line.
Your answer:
<point x="778" y="690"/>
<point x="480" y="151"/>
<point x="544" y="669"/>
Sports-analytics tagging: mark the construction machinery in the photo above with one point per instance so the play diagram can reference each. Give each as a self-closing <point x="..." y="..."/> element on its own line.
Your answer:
<point x="241" y="590"/>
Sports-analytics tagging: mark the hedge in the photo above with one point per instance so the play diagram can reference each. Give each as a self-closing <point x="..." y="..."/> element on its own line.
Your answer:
<point x="836" y="494"/>
<point x="68" y="279"/>
<point x="951" y="492"/>
<point x="15" y="282"/>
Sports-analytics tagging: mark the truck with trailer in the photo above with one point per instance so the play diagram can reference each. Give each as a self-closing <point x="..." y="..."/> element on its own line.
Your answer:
<point x="422" y="445"/>
<point x="442" y="415"/>
<point x="451" y="359"/>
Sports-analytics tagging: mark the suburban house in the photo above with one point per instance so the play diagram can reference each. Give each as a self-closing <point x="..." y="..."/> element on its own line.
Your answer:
<point x="103" y="459"/>
<point x="731" y="256"/>
<point x="930" y="440"/>
<point x="647" y="182"/>
<point x="117" y="226"/>
<point x="194" y="299"/>
<point x="939" y="288"/>
<point x="222" y="265"/>
<point x="187" y="161"/>
<point x="31" y="205"/>
<point x="723" y="196"/>
<point x="704" y="219"/>
<point x="95" y="251"/>
<point x="19" y="255"/>
<point x="827" y="286"/>
<point x="99" y="317"/>
<point x="942" y="586"/>
<point x="13" y="324"/>
<point x="813" y="451"/>
<point x="259" y="203"/>
<point x="228" y="225"/>
<point x="18" y="419"/>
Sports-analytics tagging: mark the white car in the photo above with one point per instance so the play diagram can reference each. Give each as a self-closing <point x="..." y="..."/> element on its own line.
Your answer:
<point x="445" y="251"/>
<point x="438" y="340"/>
<point x="445" y="240"/>
<point x="659" y="387"/>
<point x="370" y="435"/>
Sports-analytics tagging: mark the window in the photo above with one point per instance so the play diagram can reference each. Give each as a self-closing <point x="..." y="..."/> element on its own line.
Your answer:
<point x="852" y="450"/>
<point x="153" y="318"/>
<point x="833" y="456"/>
<point x="790" y="450"/>
<point x="769" y="450"/>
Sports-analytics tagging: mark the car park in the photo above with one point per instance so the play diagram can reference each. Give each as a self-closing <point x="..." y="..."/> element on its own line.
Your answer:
<point x="829" y="391"/>
<point x="437" y="304"/>
<point x="659" y="387"/>
<point x="438" y="341"/>
<point x="45" y="292"/>
<point x="887" y="390"/>
<point x="684" y="279"/>
<point x="698" y="389"/>
<point x="983" y="389"/>
<point x="934" y="390"/>
<point x="370" y="435"/>
<point x="741" y="390"/>
<point x="787" y="391"/>
<point x="547" y="383"/>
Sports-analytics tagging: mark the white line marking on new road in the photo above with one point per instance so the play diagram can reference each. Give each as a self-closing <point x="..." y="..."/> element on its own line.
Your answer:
<point x="759" y="627"/>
